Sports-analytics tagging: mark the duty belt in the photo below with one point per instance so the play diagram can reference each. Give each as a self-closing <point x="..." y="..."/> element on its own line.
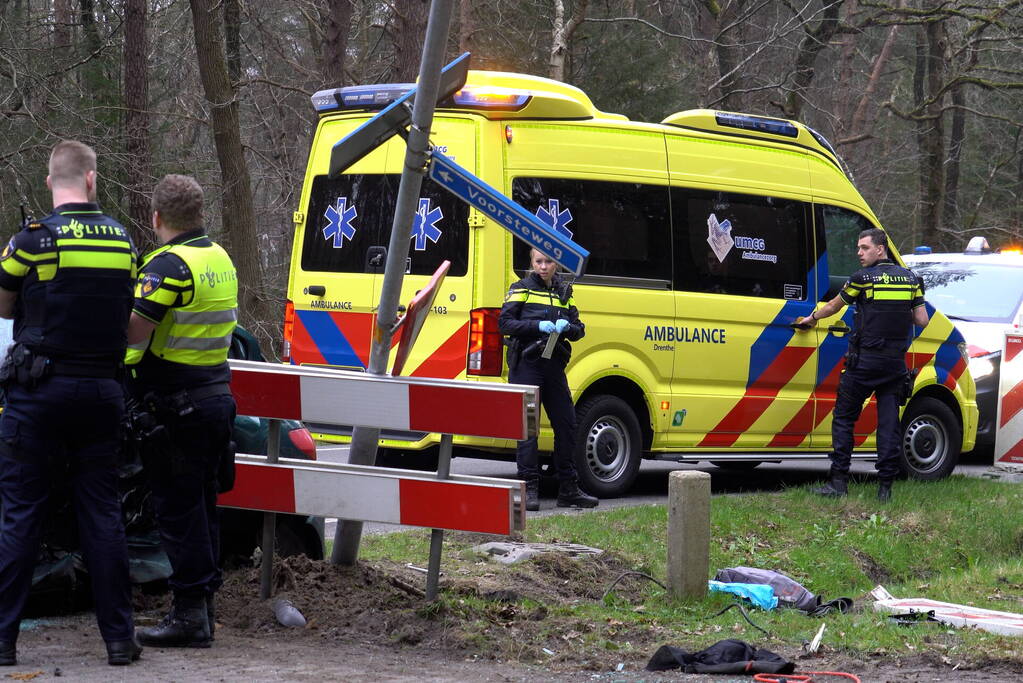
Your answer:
<point x="68" y="368"/>
<point x="200" y="393"/>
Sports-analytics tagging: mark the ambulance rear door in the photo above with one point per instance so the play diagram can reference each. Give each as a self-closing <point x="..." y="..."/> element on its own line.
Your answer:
<point x="336" y="285"/>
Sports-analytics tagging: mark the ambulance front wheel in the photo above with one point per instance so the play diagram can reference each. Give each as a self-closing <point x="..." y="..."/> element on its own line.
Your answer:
<point x="931" y="439"/>
<point x="608" y="446"/>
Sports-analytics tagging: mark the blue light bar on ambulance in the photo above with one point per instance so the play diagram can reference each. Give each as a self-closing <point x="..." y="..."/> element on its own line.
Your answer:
<point x="379" y="96"/>
<point x="359" y="97"/>
<point x="760" y="124"/>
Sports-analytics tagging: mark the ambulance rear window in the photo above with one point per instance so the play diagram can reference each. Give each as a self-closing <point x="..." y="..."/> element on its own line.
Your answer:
<point x="349" y="219"/>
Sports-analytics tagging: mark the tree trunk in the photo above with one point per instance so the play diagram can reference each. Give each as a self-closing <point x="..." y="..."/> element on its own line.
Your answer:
<point x="338" y="15"/>
<point x="232" y="38"/>
<point x="61" y="23"/>
<point x="859" y="120"/>
<point x="561" y="36"/>
<point x="466" y="26"/>
<point x="950" y="212"/>
<point x="932" y="161"/>
<point x="408" y="33"/>
<point x="136" y="123"/>
<point x="239" y="222"/>
<point x="813" y="42"/>
<point x="728" y="52"/>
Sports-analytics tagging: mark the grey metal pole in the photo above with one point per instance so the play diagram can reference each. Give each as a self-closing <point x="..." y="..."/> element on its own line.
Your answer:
<point x="266" y="567"/>
<point x="437" y="535"/>
<point x="363" y="450"/>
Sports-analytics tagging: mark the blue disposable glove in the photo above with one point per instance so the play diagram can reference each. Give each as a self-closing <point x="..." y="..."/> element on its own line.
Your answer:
<point x="546" y="326"/>
<point x="560" y="325"/>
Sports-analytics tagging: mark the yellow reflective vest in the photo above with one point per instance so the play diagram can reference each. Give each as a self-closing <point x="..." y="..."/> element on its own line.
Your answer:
<point x="199" y="332"/>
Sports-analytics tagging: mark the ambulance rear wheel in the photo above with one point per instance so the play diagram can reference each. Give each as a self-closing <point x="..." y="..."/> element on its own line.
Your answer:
<point x="931" y="439"/>
<point x="608" y="446"/>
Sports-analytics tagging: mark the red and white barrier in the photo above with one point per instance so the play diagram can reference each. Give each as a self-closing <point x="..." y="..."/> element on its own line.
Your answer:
<point x="1009" y="432"/>
<point x="371" y="494"/>
<point x="421" y="404"/>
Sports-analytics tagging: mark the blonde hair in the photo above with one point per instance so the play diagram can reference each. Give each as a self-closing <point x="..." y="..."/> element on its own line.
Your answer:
<point x="70" y="161"/>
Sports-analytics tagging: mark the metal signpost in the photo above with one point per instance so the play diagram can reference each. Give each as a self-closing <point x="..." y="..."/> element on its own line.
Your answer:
<point x="363" y="450"/>
<point x="506" y="213"/>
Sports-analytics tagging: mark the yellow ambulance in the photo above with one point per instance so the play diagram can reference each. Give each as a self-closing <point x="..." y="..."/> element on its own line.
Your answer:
<point x="710" y="233"/>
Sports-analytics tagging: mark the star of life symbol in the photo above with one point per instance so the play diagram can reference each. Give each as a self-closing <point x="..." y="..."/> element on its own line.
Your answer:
<point x="555" y="217"/>
<point x="719" y="236"/>
<point x="339" y="222"/>
<point x="424" y="224"/>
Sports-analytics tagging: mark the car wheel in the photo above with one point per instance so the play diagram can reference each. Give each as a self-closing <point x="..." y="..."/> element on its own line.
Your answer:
<point x="608" y="446"/>
<point x="931" y="439"/>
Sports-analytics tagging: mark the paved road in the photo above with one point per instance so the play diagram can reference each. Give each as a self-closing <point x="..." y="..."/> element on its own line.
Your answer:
<point x="652" y="483"/>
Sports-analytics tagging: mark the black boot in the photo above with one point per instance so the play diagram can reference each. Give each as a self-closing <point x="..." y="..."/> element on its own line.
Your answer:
<point x="187" y="625"/>
<point x="836" y="488"/>
<point x="123" y="652"/>
<point x="8" y="653"/>
<point x="570" y="496"/>
<point x="884" y="491"/>
<point x="532" y="495"/>
<point x="211" y="615"/>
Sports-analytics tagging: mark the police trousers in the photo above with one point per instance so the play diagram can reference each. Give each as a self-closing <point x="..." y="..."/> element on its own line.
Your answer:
<point x="871" y="374"/>
<point x="182" y="473"/>
<point x="556" y="399"/>
<point x="64" y="425"/>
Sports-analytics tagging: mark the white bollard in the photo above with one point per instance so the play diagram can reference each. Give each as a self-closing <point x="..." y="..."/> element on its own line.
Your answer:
<point x="688" y="533"/>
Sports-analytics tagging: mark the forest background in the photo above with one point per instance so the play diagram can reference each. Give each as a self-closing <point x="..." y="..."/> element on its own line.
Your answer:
<point x="921" y="98"/>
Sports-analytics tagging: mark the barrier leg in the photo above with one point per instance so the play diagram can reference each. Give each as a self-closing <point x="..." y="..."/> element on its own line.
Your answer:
<point x="266" y="568"/>
<point x="437" y="535"/>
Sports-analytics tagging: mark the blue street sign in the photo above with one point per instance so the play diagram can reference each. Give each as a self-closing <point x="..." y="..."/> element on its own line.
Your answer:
<point x="509" y="215"/>
<point x="391" y="119"/>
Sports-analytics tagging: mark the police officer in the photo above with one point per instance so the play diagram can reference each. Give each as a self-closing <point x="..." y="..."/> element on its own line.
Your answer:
<point x="67" y="281"/>
<point x="185" y="311"/>
<point x="889" y="301"/>
<point x="536" y="307"/>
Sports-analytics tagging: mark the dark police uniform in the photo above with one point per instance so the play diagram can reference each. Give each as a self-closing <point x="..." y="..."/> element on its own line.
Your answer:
<point x="528" y="302"/>
<point x="189" y="288"/>
<point x="73" y="271"/>
<point x="885" y="296"/>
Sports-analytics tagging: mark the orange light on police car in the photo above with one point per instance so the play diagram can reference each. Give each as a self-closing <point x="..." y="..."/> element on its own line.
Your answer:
<point x="508" y="134"/>
<point x="1013" y="250"/>
<point x="665" y="405"/>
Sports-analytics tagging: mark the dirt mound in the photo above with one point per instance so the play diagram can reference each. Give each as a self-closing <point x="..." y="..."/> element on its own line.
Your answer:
<point x="488" y="615"/>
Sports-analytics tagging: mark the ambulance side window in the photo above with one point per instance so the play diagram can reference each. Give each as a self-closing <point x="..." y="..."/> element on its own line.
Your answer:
<point x="731" y="243"/>
<point x="625" y="226"/>
<point x="348" y="216"/>
<point x="840" y="229"/>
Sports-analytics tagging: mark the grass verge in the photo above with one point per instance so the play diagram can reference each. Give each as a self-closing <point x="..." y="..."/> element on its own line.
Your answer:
<point x="959" y="540"/>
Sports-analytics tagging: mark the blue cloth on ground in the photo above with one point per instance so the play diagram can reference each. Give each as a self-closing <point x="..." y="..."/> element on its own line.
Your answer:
<point x="760" y="594"/>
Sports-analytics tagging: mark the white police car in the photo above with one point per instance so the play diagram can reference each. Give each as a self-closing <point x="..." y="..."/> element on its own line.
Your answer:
<point x="980" y="290"/>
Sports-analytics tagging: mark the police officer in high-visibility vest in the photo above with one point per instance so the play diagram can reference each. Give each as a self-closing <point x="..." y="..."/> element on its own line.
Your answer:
<point x="67" y="281"/>
<point x="889" y="301"/>
<point x="536" y="307"/>
<point x="185" y="311"/>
